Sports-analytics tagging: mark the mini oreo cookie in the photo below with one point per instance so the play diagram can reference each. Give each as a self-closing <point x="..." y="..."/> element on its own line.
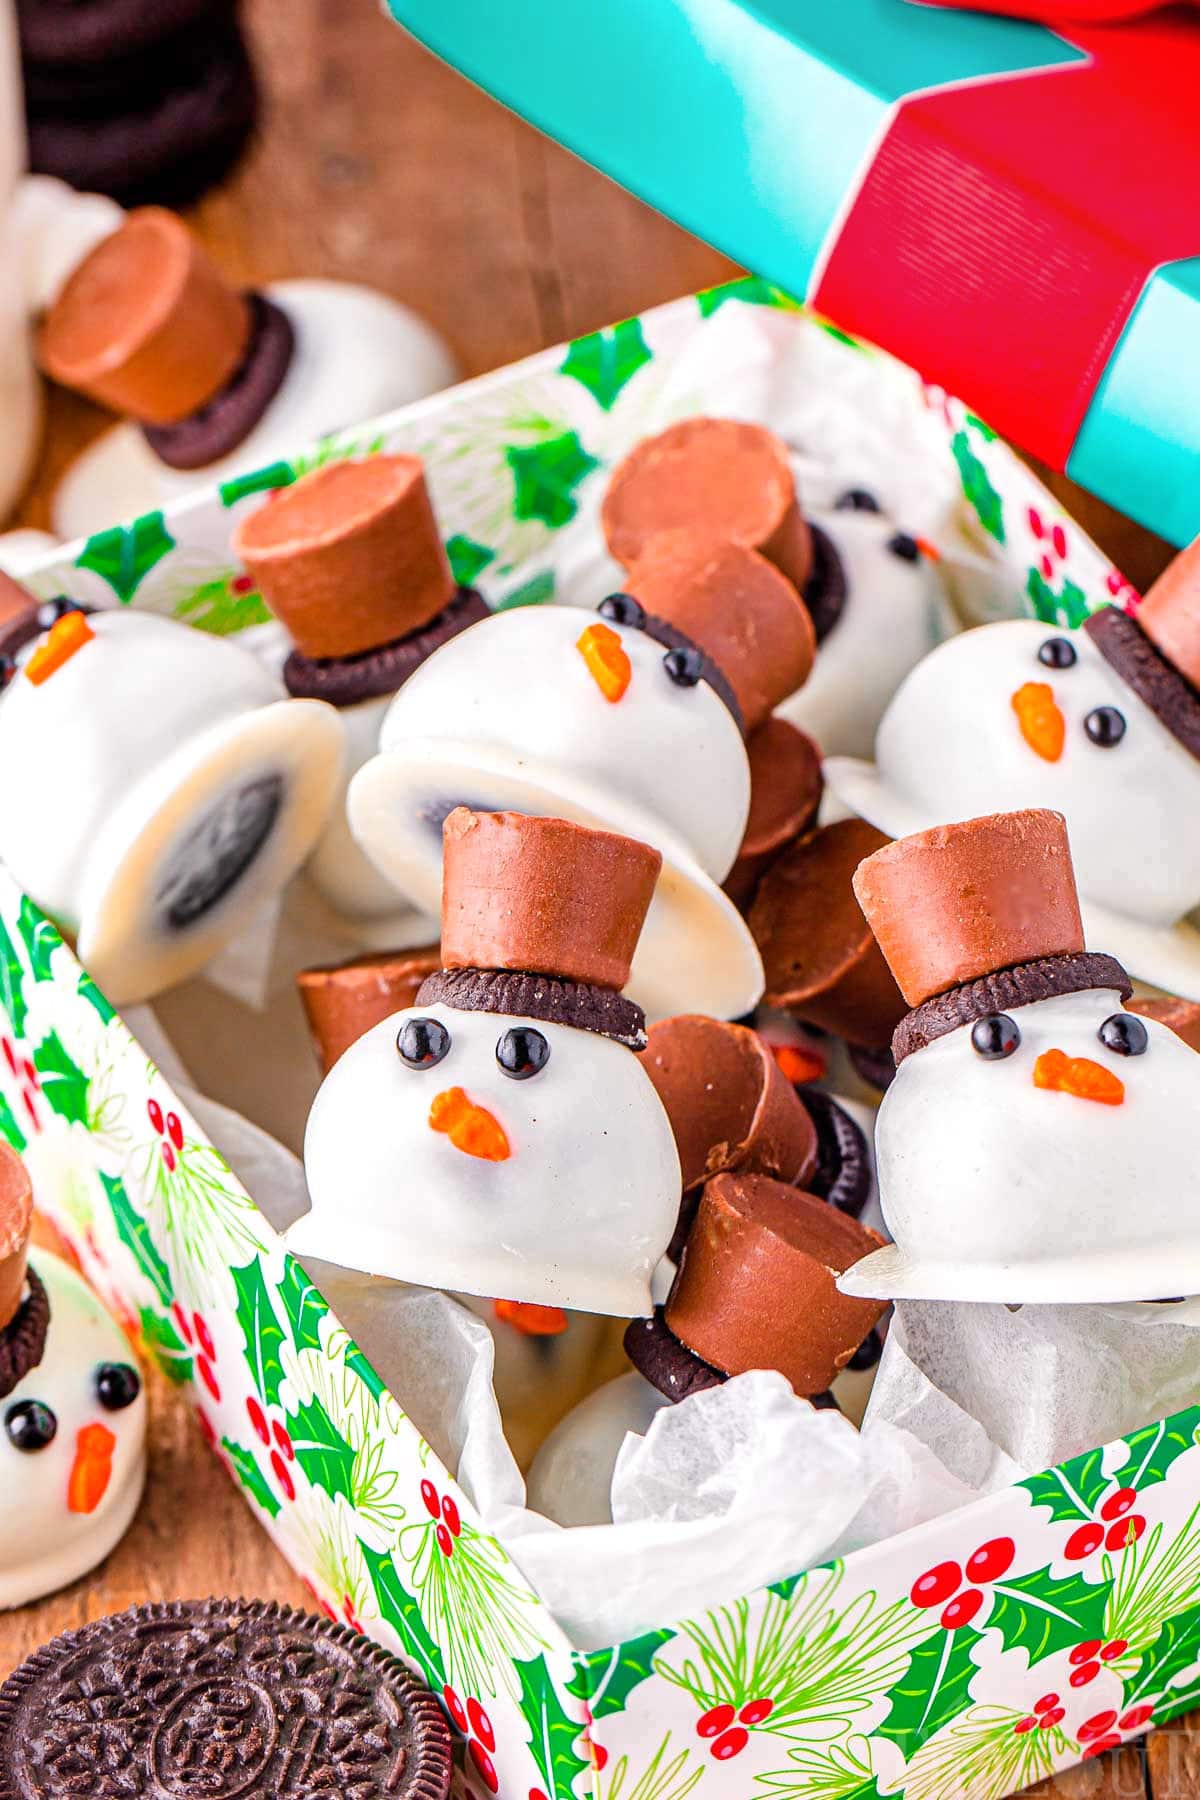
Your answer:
<point x="1173" y="701"/>
<point x="235" y="410"/>
<point x="825" y="590"/>
<point x="998" y="993"/>
<point x="659" y="1357"/>
<point x="346" y="680"/>
<point x="514" y="994"/>
<point x="23" y="1341"/>
<point x="877" y="1067"/>
<point x="843" y="1172"/>
<point x="219" y="1698"/>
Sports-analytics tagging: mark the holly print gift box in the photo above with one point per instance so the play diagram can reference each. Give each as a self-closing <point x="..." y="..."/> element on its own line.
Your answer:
<point x="969" y="1656"/>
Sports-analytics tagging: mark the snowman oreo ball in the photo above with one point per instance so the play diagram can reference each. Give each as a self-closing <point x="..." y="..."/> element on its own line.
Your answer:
<point x="873" y="590"/>
<point x="72" y="1413"/>
<point x="1101" y="724"/>
<point x="633" y="723"/>
<point x="499" y="1137"/>
<point x="1031" y="1147"/>
<point x="350" y="559"/>
<point x="186" y="788"/>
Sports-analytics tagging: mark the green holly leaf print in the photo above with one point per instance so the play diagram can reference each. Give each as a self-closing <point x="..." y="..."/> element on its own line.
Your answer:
<point x="982" y="427"/>
<point x="261" y="1331"/>
<point x="604" y="361"/>
<point x="12" y="983"/>
<point x="468" y="559"/>
<point x="354" y="1359"/>
<point x="553" y="1732"/>
<point x="534" y="592"/>
<point x="397" y="1606"/>
<point x="1044" y="1614"/>
<point x="166" y="1346"/>
<point x="258" y="481"/>
<point x="977" y="486"/>
<point x="750" y="288"/>
<point x="321" y="1450"/>
<point x="1073" y="1490"/>
<point x="125" y="555"/>
<point x="134" y="1233"/>
<point x="242" y="1462"/>
<point x="1154" y="1450"/>
<point x="1175" y="1650"/>
<point x="934" y="1689"/>
<point x="1073" y="604"/>
<point x="63" y="1082"/>
<point x="40" y="937"/>
<point x="1041" y="595"/>
<point x="225" y="605"/>
<point x="545" y="477"/>
<point x="605" y="1679"/>
<point x="10" y="1131"/>
<point x="303" y="1307"/>
<point x="91" y="993"/>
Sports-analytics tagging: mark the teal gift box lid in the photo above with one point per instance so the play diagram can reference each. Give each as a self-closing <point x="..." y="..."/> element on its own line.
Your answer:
<point x="1010" y="209"/>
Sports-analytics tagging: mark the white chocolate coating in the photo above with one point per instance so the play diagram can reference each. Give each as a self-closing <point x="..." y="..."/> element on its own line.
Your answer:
<point x="358" y="354"/>
<point x="894" y="614"/>
<point x="995" y="1189"/>
<point x="571" y="1477"/>
<point x="43" y="1544"/>
<point x="139" y="736"/>
<point x="577" y="1216"/>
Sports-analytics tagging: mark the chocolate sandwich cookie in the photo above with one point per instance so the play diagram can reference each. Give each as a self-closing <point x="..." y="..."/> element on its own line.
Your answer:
<point x="820" y="959"/>
<point x="219" y="1698"/>
<point x="1073" y="973"/>
<point x="1148" y="667"/>
<point x="785" y="793"/>
<point x="1180" y="1016"/>
<point x="86" y="32"/>
<point x="226" y="420"/>
<point x="825" y="591"/>
<point x="77" y="84"/>
<point x="842" y="1176"/>
<point x="877" y="1067"/>
<point x="343" y="1000"/>
<point x="513" y="993"/>
<point x="669" y="1366"/>
<point x="347" y="680"/>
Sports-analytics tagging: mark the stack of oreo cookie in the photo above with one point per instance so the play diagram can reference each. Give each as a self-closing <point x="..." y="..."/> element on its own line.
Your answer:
<point x="143" y="102"/>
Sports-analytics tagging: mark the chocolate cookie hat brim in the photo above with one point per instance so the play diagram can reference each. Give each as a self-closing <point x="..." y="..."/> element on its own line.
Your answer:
<point x="1143" y="662"/>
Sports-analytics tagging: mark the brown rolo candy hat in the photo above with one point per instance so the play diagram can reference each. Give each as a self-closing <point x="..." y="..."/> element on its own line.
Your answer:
<point x="343" y="1000"/>
<point x="719" y="477"/>
<point x="737" y="607"/>
<point x="1180" y="1016"/>
<point x="1170" y="613"/>
<point x="349" y="557"/>
<point x="543" y="896"/>
<point x="146" y="324"/>
<point x="963" y="901"/>
<point x="16" y="1222"/>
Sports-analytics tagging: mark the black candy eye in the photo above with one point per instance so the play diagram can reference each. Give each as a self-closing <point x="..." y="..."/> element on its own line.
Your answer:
<point x="51" y="611"/>
<point x="905" y="546"/>
<point x="117" y="1386"/>
<point x="30" y="1425"/>
<point x="857" y="500"/>
<point x="685" y="667"/>
<point x="1105" y="726"/>
<point x="1125" y="1035"/>
<point x="522" y="1052"/>
<point x="995" y="1037"/>
<point x="1058" y="653"/>
<point x="623" y="609"/>
<point x="422" y="1043"/>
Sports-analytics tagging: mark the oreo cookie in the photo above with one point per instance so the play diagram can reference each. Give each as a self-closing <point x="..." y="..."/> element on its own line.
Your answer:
<point x="88" y="32"/>
<point x="217" y="851"/>
<point x="877" y="1067"/>
<point x="232" y="413"/>
<point x="1124" y="645"/>
<point x="347" y="680"/>
<point x="23" y="1340"/>
<point x="77" y="82"/>
<point x="552" y="998"/>
<point x="219" y="1698"/>
<point x="825" y="590"/>
<point x="1073" y="973"/>
<point x="843" y="1172"/>
<point x="659" y="1357"/>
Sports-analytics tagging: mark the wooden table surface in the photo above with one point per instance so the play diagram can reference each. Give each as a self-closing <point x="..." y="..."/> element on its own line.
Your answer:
<point x="376" y="163"/>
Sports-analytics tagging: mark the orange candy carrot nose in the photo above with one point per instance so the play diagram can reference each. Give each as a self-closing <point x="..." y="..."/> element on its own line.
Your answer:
<point x="67" y="635"/>
<point x="605" y="656"/>
<point x="799" y="1064"/>
<point x="472" y="1129"/>
<point x="1078" y="1075"/>
<point x="91" y="1471"/>
<point x="530" y="1319"/>
<point x="1042" y="724"/>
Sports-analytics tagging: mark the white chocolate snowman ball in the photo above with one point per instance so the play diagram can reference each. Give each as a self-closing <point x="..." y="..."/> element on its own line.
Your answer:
<point x="509" y="716"/>
<point x="1017" y="715"/>
<point x="72" y="1445"/>
<point x="894" y="613"/>
<point x="495" y="1155"/>
<point x="570" y="1480"/>
<point x="998" y="1182"/>
<point x="185" y="791"/>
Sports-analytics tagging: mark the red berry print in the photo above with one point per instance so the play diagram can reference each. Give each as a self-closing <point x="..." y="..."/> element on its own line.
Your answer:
<point x="168" y="1156"/>
<point x="206" y="1428"/>
<point x="10" y="1057"/>
<point x="349" y="1614"/>
<point x="536" y="1793"/>
<point x="155" y="1114"/>
<point x="1029" y="1723"/>
<point x="961" y="1610"/>
<point x="936" y="1585"/>
<point x="1081" y="1543"/>
<point x="451" y="1516"/>
<point x="1114" y="581"/>
<point x="1035" y="522"/>
<point x="1110" y="1652"/>
<point x="1058" y="538"/>
<point x="241" y="584"/>
<point x="181" y="1319"/>
<point x="1118" y="1504"/>
<point x="755" y="1711"/>
<point x="598" y="1754"/>
<point x="175" y="1129"/>
<point x="1055" y="1716"/>
<point x="484" y="1764"/>
<point x="208" y="1377"/>
<point x="716" y="1720"/>
<point x="283" y="1440"/>
<point x="1125" y="1531"/>
<point x="1082" y="1676"/>
<point x="1101" y="1746"/>
<point x="204" y="1337"/>
<point x="731" y="1743"/>
<point x="1136" y="1717"/>
<point x="1047" y="1703"/>
<point x="258" y="1420"/>
<point x="283" y="1475"/>
<point x="1084" y="1652"/>
<point x="991" y="1560"/>
<point x="429" y="1495"/>
<point x="1099" y="1725"/>
<point x="445" y="1542"/>
<point x="1048" y="568"/>
<point x="454" y="1707"/>
<point x="481" y="1725"/>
